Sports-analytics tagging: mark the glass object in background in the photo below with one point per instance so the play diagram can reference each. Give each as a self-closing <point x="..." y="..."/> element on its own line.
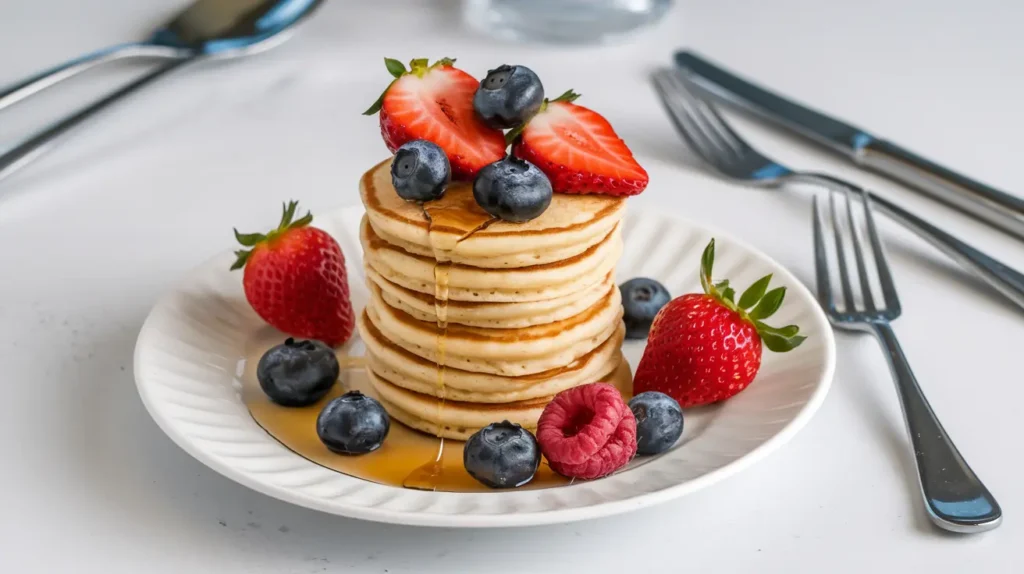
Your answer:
<point x="562" y="21"/>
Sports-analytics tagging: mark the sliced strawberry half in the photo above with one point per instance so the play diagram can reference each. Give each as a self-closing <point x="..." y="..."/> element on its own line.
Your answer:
<point x="578" y="150"/>
<point x="435" y="103"/>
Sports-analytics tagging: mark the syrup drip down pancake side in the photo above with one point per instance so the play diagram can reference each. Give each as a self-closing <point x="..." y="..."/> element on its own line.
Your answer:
<point x="473" y="320"/>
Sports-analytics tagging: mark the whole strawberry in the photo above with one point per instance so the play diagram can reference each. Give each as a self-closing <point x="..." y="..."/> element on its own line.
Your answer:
<point x="434" y="102"/>
<point x="706" y="347"/>
<point x="578" y="150"/>
<point x="295" y="279"/>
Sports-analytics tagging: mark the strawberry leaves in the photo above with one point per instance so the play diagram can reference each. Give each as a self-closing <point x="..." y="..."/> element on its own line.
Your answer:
<point x="727" y="292"/>
<point x="567" y="96"/>
<point x="755" y="292"/>
<point x="418" y="66"/>
<point x="779" y="340"/>
<point x="707" y="261"/>
<point x="756" y="303"/>
<point x="395" y="68"/>
<point x="769" y="304"/>
<point x="251" y="240"/>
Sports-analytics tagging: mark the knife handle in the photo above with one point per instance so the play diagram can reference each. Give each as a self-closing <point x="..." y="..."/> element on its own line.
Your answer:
<point x="968" y="196"/>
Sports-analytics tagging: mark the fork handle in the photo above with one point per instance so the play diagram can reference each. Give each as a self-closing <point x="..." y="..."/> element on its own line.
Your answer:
<point x="1000" y="276"/>
<point x="997" y="208"/>
<point x="955" y="497"/>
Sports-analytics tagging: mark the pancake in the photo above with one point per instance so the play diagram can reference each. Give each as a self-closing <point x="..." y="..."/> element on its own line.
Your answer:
<point x="503" y="261"/>
<point x="459" y="420"/>
<point x="419" y="375"/>
<point x="530" y="309"/>
<point x="466" y="283"/>
<point x="491" y="315"/>
<point x="570" y="222"/>
<point x="509" y="352"/>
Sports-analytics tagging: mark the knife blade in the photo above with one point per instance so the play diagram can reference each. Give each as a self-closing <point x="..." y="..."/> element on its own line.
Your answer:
<point x="990" y="205"/>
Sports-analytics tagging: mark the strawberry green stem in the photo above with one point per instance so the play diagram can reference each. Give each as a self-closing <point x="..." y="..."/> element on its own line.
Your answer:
<point x="251" y="240"/>
<point x="755" y="304"/>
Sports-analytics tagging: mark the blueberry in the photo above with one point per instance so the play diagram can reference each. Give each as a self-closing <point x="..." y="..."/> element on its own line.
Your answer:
<point x="512" y="189"/>
<point x="659" y="421"/>
<point x="502" y="455"/>
<point x="353" y="424"/>
<point x="642" y="298"/>
<point x="508" y="96"/>
<point x="297" y="373"/>
<point x="420" y="171"/>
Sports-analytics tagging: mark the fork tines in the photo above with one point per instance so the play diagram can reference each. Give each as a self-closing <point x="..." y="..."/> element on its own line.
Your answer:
<point x="860" y="284"/>
<point x="707" y="133"/>
<point x="699" y="122"/>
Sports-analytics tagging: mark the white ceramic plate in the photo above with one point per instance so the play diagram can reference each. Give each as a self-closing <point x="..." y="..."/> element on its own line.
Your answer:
<point x="190" y="354"/>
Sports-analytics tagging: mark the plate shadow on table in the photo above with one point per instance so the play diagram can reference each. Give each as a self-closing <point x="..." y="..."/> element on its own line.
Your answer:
<point x="126" y="466"/>
<point x="121" y="458"/>
<point x="139" y="478"/>
<point x="133" y="475"/>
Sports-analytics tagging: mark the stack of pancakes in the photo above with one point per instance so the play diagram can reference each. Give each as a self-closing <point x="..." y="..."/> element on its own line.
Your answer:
<point x="473" y="320"/>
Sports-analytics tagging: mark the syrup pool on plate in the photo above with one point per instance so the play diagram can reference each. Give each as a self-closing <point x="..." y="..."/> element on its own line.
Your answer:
<point x="398" y="462"/>
<point x="408" y="457"/>
<point x="433" y="472"/>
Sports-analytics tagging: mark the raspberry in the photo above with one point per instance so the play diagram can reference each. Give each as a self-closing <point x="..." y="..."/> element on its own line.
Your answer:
<point x="587" y="432"/>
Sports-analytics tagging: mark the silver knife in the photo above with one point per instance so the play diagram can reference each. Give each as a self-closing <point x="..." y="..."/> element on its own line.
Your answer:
<point x="986" y="203"/>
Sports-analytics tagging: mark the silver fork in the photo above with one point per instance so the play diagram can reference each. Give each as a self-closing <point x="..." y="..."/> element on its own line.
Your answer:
<point x="955" y="498"/>
<point x="710" y="136"/>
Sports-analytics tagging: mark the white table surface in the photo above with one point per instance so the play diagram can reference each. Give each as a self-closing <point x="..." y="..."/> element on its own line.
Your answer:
<point x="93" y="233"/>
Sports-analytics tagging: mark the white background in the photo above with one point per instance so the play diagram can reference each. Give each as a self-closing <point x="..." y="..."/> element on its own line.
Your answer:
<point x="92" y="234"/>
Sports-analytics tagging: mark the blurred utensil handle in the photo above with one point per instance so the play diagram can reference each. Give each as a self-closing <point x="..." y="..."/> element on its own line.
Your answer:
<point x="957" y="190"/>
<point x="33" y="147"/>
<point x="13" y="94"/>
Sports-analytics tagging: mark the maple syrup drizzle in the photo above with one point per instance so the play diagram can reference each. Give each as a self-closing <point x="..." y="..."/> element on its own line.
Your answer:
<point x="346" y="362"/>
<point x="427" y="476"/>
<point x="467" y="218"/>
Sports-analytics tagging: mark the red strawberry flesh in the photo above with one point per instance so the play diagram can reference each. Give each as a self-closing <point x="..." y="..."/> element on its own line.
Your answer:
<point x="436" y="104"/>
<point x="580" y="152"/>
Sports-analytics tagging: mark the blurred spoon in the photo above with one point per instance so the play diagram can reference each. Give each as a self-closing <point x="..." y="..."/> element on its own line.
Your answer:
<point x="216" y="28"/>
